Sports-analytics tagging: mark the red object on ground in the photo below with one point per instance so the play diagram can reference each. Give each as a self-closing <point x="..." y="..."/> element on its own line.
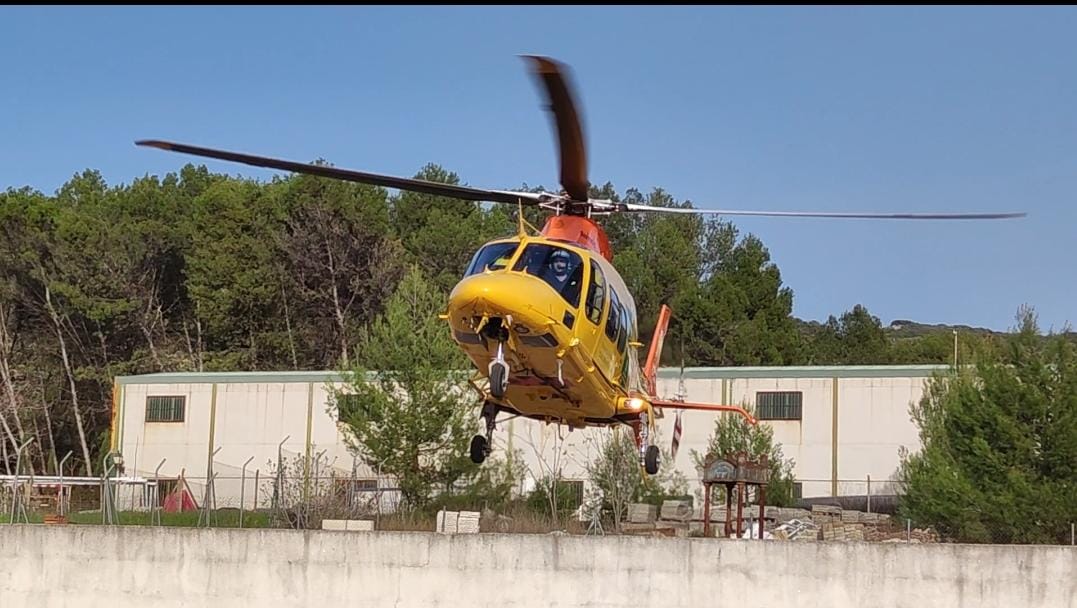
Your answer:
<point x="179" y="500"/>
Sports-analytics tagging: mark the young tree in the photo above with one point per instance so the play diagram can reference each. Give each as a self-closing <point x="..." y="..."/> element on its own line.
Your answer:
<point x="998" y="458"/>
<point x="617" y="473"/>
<point x="550" y="452"/>
<point x="408" y="409"/>
<point x="733" y="434"/>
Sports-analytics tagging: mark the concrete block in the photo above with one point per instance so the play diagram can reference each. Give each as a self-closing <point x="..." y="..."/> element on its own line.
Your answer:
<point x="360" y="525"/>
<point x="640" y="513"/>
<point x="467" y="522"/>
<point x="717" y="514"/>
<point x="636" y="528"/>
<point x="677" y="510"/>
<point x="447" y="521"/>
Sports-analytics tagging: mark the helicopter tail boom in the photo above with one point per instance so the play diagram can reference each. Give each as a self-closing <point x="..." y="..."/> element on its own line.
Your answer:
<point x="650" y="369"/>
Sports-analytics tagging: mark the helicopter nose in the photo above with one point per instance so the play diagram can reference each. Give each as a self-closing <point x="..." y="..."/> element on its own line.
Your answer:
<point x="498" y="294"/>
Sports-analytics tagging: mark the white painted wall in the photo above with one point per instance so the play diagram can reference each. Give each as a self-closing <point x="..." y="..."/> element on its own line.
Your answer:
<point x="121" y="567"/>
<point x="253" y="417"/>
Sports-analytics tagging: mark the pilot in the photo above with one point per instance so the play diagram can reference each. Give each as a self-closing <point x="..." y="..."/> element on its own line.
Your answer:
<point x="560" y="272"/>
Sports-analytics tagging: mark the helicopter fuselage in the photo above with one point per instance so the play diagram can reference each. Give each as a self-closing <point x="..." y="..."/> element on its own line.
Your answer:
<point x="568" y="332"/>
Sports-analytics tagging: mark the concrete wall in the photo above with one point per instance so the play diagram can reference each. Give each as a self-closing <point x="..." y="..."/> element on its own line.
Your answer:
<point x="121" y="567"/>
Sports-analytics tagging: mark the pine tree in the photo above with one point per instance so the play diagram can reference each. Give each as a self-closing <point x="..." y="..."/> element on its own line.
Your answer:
<point x="407" y="410"/>
<point x="998" y="461"/>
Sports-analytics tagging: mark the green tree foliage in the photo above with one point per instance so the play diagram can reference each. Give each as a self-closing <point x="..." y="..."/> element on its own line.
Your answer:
<point x="232" y="282"/>
<point x="998" y="461"/>
<point x="732" y="434"/>
<point x="339" y="261"/>
<point x="740" y="314"/>
<point x="490" y="486"/>
<point x="441" y="233"/>
<point x="199" y="271"/>
<point x="616" y="472"/>
<point x="857" y="338"/>
<point x="412" y="419"/>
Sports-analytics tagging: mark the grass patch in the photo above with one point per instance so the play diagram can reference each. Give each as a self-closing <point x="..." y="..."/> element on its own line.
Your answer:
<point x="222" y="518"/>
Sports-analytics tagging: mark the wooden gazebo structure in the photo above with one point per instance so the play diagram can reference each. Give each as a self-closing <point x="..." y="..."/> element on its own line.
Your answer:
<point x="735" y="470"/>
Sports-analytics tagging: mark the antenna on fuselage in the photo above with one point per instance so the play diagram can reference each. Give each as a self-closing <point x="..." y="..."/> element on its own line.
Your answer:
<point x="521" y="221"/>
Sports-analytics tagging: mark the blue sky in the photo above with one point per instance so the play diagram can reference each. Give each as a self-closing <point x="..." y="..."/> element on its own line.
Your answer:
<point x="838" y="108"/>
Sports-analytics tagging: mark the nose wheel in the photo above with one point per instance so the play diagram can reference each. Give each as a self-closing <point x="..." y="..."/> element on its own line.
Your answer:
<point x="480" y="444"/>
<point x="499" y="373"/>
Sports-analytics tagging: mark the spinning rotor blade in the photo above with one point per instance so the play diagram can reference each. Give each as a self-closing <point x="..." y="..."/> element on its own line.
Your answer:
<point x="401" y="183"/>
<point x="887" y="216"/>
<point x="569" y="133"/>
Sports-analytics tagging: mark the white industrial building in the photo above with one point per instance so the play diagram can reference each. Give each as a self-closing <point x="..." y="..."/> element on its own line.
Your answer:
<point x="841" y="426"/>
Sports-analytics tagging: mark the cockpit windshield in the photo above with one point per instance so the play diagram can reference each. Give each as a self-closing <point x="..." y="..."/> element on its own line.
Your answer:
<point x="561" y="268"/>
<point x="494" y="256"/>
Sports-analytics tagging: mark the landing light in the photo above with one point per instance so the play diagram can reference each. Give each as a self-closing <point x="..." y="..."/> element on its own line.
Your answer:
<point x="635" y="403"/>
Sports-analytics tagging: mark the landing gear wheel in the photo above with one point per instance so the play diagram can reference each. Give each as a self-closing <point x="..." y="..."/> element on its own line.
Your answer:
<point x="651" y="460"/>
<point x="478" y="449"/>
<point x="498" y="380"/>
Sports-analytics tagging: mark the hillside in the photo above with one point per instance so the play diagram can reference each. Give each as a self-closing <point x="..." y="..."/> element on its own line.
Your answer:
<point x="904" y="328"/>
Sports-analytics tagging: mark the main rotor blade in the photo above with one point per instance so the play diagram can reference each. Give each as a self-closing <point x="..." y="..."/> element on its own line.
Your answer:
<point x="874" y="216"/>
<point x="388" y="181"/>
<point x="569" y="132"/>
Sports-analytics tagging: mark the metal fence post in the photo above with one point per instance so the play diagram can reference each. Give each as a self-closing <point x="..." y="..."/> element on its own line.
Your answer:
<point x="211" y="492"/>
<point x="908" y="530"/>
<point x="15" y="494"/>
<point x="60" y="505"/>
<point x="869" y="493"/>
<point x="278" y="490"/>
<point x="243" y="489"/>
<point x="107" y="465"/>
<point x="155" y="514"/>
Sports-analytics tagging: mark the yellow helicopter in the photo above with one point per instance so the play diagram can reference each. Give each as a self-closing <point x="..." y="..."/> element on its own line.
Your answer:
<point x="547" y="320"/>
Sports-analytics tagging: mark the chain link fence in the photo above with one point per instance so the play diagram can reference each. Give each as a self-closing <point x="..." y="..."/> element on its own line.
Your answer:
<point x="297" y="491"/>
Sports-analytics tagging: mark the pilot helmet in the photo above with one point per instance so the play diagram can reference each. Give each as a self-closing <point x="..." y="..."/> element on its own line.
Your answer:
<point x="559" y="256"/>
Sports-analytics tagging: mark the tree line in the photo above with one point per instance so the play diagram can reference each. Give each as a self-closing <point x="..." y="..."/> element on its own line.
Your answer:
<point x="198" y="271"/>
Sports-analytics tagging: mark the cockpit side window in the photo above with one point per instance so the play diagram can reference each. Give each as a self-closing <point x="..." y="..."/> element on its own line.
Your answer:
<point x="622" y="329"/>
<point x="596" y="294"/>
<point x="494" y="256"/>
<point x="614" y="318"/>
<point x="561" y="268"/>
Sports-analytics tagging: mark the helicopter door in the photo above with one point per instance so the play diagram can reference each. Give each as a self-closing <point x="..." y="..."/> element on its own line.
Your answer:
<point x="603" y="323"/>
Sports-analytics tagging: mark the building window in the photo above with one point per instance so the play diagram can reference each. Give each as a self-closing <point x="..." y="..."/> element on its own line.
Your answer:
<point x="798" y="490"/>
<point x="785" y="405"/>
<point x="165" y="409"/>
